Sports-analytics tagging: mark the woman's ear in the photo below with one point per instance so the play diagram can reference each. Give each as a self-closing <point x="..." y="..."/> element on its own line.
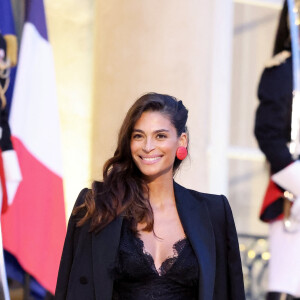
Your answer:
<point x="183" y="140"/>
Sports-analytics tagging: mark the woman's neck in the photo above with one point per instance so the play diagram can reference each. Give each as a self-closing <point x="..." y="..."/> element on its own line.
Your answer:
<point x="161" y="192"/>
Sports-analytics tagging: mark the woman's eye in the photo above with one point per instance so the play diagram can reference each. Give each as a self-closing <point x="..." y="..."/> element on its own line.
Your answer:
<point x="161" y="136"/>
<point x="137" y="136"/>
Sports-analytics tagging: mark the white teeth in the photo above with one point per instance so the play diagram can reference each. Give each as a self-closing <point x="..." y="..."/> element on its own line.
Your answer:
<point x="151" y="158"/>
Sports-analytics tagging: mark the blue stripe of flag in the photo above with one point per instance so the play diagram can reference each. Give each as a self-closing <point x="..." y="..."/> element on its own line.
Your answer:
<point x="35" y="14"/>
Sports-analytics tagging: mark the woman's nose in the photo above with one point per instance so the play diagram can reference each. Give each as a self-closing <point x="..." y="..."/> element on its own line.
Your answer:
<point x="148" y="145"/>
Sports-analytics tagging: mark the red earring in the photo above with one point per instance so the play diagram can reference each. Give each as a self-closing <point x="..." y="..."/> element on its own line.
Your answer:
<point x="181" y="153"/>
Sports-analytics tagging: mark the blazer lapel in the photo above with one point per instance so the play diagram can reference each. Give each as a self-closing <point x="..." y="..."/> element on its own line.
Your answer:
<point x="196" y="222"/>
<point x="105" y="245"/>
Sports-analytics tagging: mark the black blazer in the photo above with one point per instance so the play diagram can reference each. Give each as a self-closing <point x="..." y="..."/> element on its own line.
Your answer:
<point x="208" y="224"/>
<point x="274" y="113"/>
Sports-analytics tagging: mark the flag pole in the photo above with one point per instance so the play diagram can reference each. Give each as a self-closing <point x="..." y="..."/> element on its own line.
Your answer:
<point x="295" y="122"/>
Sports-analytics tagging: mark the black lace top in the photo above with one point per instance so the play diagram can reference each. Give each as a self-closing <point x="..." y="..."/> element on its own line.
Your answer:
<point x="136" y="277"/>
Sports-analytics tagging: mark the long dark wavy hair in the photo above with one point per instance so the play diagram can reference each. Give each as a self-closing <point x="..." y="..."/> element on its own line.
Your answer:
<point x="123" y="190"/>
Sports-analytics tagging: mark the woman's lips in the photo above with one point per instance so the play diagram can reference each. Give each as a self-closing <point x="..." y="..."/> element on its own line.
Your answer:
<point x="148" y="160"/>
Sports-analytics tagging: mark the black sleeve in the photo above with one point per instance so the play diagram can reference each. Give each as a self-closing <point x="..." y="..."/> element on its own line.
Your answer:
<point x="273" y="115"/>
<point x="235" y="274"/>
<point x="68" y="253"/>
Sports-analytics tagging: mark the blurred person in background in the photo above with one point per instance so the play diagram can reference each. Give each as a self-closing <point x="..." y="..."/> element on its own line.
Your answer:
<point x="273" y="133"/>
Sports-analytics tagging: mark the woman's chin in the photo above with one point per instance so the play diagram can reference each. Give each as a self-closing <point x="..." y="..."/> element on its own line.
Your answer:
<point x="154" y="176"/>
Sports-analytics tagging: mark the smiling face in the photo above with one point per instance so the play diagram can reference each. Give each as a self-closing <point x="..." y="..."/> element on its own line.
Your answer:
<point x="153" y="145"/>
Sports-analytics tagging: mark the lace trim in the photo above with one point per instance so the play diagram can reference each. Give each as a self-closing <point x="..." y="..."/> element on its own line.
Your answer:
<point x="168" y="263"/>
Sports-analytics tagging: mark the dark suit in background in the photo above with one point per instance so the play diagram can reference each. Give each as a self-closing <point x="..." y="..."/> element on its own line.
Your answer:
<point x="273" y="133"/>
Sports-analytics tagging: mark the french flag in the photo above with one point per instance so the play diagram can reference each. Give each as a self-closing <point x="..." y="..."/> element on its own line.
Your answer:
<point x="34" y="226"/>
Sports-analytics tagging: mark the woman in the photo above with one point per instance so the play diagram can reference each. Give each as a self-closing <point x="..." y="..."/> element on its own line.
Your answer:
<point x="138" y="234"/>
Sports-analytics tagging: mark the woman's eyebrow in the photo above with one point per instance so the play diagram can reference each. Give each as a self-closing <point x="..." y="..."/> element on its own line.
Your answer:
<point x="161" y="130"/>
<point x="137" y="130"/>
<point x="156" y="131"/>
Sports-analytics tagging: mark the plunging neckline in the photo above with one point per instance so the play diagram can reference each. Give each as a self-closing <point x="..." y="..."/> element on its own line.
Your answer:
<point x="135" y="276"/>
<point x="168" y="263"/>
